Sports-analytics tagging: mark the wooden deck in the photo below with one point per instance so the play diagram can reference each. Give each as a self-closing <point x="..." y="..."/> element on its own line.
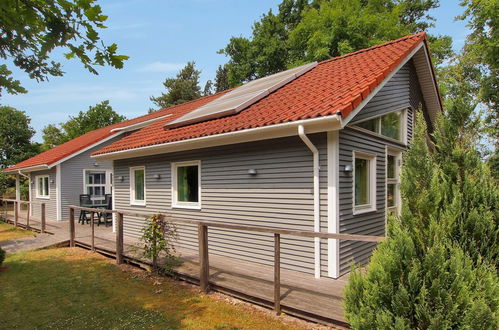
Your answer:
<point x="302" y="295"/>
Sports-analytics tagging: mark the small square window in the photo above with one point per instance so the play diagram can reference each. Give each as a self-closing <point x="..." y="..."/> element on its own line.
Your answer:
<point x="186" y="184"/>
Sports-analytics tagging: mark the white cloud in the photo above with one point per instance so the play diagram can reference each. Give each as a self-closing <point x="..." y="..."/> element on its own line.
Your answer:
<point x="161" y="67"/>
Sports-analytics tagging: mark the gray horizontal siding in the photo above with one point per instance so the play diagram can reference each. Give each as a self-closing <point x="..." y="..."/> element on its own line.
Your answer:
<point x="51" y="203"/>
<point x="279" y="196"/>
<point x="72" y="176"/>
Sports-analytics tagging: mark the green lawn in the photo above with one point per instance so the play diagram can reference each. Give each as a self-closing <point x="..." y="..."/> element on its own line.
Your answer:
<point x="73" y="288"/>
<point x="8" y="232"/>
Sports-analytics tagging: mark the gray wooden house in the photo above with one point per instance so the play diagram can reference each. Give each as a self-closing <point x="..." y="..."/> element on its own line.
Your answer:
<point x="58" y="176"/>
<point x="318" y="147"/>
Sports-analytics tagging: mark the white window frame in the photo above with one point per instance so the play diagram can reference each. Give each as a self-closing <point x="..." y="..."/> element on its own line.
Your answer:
<point x="403" y="128"/>
<point x="371" y="207"/>
<point x="175" y="202"/>
<point x="37" y="183"/>
<point x="396" y="181"/>
<point x="133" y="201"/>
<point x="108" y="184"/>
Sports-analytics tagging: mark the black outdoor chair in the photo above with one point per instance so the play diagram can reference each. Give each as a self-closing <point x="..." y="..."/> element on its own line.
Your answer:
<point x="85" y="216"/>
<point x="106" y="216"/>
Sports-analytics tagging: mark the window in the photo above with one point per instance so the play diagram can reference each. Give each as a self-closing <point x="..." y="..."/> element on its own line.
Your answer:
<point x="186" y="184"/>
<point x="42" y="186"/>
<point x="392" y="181"/>
<point x="138" y="185"/>
<point x="364" y="183"/>
<point x="389" y="125"/>
<point x="97" y="184"/>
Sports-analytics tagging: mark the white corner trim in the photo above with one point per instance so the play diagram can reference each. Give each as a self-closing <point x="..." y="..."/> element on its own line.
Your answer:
<point x="58" y="192"/>
<point x="380" y="86"/>
<point x="333" y="213"/>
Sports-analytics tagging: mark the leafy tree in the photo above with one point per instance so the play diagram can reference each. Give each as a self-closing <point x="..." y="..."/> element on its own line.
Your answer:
<point x="98" y="116"/>
<point x="208" y="88"/>
<point x="15" y="136"/>
<point x="32" y="29"/>
<point x="183" y="88"/>
<point x="481" y="55"/>
<point x="221" y="79"/>
<point x="304" y="31"/>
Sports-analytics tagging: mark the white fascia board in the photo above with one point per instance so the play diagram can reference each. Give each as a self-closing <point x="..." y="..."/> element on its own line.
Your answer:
<point x="380" y="86"/>
<point x="27" y="169"/>
<point x="139" y="125"/>
<point x="314" y="125"/>
<point x="85" y="149"/>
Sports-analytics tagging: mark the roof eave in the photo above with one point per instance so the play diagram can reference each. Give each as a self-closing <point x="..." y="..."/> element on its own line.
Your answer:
<point x="313" y="125"/>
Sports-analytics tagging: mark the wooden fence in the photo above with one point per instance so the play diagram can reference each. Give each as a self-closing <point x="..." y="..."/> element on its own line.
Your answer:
<point x="17" y="217"/>
<point x="203" y="241"/>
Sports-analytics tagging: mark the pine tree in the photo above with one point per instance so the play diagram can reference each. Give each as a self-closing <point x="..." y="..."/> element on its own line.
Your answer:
<point x="221" y="79"/>
<point x="208" y="88"/>
<point x="183" y="88"/>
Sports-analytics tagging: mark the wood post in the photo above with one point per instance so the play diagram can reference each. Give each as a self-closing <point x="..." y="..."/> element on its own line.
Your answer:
<point x="277" y="273"/>
<point x="16" y="212"/>
<point x="27" y="217"/>
<point x="92" y="226"/>
<point x="43" y="217"/>
<point x="72" y="227"/>
<point x="204" y="265"/>
<point x="119" y="238"/>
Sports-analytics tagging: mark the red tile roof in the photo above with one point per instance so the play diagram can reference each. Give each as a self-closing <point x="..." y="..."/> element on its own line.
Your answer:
<point x="64" y="150"/>
<point x="334" y="86"/>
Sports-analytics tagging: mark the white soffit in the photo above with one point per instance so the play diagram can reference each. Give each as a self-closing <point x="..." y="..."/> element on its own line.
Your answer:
<point x="241" y="97"/>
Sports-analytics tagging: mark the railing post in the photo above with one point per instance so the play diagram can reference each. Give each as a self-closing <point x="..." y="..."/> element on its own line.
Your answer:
<point x="43" y="217"/>
<point x="119" y="238"/>
<point x="27" y="217"/>
<point x="72" y="227"/>
<point x="204" y="265"/>
<point x="277" y="273"/>
<point x="92" y="227"/>
<point x="16" y="212"/>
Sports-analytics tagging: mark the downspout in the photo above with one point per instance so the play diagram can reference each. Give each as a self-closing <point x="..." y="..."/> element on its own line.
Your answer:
<point x="316" y="192"/>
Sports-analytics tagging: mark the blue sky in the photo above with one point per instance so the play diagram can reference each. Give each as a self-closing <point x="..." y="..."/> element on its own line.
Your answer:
<point x="160" y="37"/>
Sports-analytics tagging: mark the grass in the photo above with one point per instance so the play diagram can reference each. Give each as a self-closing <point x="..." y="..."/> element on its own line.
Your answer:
<point x="8" y="232"/>
<point x="73" y="288"/>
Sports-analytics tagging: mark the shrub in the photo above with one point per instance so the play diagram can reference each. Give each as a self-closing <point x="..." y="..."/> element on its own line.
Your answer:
<point x="158" y="237"/>
<point x="2" y="256"/>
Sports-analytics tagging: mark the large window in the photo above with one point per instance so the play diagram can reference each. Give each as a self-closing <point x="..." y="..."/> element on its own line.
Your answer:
<point x="364" y="182"/>
<point x="97" y="184"/>
<point x="392" y="181"/>
<point x="42" y="186"/>
<point x="138" y="185"/>
<point x="186" y="184"/>
<point x="389" y="125"/>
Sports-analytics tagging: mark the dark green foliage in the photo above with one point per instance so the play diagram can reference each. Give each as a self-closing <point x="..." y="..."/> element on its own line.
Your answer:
<point x="15" y="136"/>
<point x="221" y="79"/>
<point x="158" y="237"/>
<point x="97" y="116"/>
<point x="304" y="31"/>
<point x="183" y="88"/>
<point x="2" y="256"/>
<point x="32" y="29"/>
<point x="208" y="88"/>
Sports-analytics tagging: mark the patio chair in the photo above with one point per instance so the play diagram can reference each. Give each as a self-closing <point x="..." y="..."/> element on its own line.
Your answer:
<point x="105" y="216"/>
<point x="85" y="216"/>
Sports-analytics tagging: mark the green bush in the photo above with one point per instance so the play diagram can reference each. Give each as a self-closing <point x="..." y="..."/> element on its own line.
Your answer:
<point x="2" y="256"/>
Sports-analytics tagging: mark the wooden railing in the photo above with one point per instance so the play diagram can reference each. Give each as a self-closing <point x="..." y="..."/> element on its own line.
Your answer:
<point x="17" y="204"/>
<point x="203" y="241"/>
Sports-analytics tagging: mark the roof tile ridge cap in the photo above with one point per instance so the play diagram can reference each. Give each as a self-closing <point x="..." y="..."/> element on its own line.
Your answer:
<point x="417" y="35"/>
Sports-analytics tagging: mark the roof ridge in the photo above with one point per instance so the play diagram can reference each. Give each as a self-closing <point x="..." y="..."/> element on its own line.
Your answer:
<point x="423" y="34"/>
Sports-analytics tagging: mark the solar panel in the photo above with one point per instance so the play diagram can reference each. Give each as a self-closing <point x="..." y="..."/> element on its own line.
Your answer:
<point x="241" y="97"/>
